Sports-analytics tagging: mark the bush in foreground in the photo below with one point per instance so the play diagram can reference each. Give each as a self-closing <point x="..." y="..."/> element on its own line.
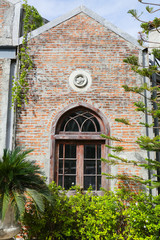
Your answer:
<point x="119" y="215"/>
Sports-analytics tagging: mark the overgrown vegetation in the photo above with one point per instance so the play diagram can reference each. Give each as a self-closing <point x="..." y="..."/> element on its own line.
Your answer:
<point x="31" y="21"/>
<point x="121" y="215"/>
<point x="149" y="105"/>
<point x="86" y="216"/>
<point x="20" y="182"/>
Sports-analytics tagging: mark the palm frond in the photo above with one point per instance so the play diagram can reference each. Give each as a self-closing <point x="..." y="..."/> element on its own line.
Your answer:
<point x="20" y="201"/>
<point x="5" y="204"/>
<point x="19" y="175"/>
<point x="37" y="199"/>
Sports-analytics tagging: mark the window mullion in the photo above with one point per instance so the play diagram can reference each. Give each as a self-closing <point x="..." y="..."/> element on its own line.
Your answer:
<point x="80" y="164"/>
<point x="57" y="165"/>
<point x="63" y="164"/>
<point x="96" y="166"/>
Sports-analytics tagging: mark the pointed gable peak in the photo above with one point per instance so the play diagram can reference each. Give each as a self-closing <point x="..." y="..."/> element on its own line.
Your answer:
<point x="91" y="14"/>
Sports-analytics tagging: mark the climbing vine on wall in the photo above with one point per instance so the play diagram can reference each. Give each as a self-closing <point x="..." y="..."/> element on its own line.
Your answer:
<point x="31" y="21"/>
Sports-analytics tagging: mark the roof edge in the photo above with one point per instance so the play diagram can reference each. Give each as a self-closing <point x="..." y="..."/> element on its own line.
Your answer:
<point x="91" y="14"/>
<point x="111" y="26"/>
<point x="14" y="1"/>
<point x="52" y="23"/>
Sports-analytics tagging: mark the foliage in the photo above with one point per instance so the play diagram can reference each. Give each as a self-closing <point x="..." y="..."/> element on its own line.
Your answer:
<point x="149" y="95"/>
<point x="31" y="21"/>
<point x="147" y="26"/>
<point x="88" y="216"/>
<point x="20" y="183"/>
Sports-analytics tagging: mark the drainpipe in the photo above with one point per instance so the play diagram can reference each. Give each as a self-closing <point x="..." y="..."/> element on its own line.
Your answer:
<point x="145" y="53"/>
<point x="10" y="111"/>
<point x="156" y="131"/>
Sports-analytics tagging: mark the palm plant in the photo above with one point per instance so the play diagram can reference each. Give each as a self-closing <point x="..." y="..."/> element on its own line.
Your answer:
<point x="20" y="182"/>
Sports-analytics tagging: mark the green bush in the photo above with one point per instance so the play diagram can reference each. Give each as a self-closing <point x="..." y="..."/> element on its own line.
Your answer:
<point x="119" y="215"/>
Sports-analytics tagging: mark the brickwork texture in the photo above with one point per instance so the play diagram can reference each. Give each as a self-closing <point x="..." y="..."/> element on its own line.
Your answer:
<point x="78" y="43"/>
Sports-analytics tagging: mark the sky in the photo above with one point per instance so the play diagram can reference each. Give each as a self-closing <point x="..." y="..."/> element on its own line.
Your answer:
<point x="114" y="11"/>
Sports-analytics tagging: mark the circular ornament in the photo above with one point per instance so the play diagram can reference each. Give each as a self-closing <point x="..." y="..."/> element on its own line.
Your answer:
<point x="80" y="80"/>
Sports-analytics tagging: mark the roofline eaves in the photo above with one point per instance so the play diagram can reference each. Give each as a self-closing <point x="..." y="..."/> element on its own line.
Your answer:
<point x="14" y="1"/>
<point x="91" y="14"/>
<point x="52" y="24"/>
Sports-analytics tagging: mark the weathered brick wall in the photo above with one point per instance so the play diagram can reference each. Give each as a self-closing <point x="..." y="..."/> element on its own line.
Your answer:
<point x="78" y="43"/>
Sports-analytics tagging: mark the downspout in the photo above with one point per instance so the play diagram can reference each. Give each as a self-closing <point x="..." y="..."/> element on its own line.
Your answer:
<point x="145" y="53"/>
<point x="11" y="114"/>
<point x="10" y="111"/>
<point x="156" y="125"/>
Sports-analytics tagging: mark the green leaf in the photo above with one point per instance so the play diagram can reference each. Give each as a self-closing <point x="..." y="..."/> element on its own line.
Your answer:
<point x="20" y="202"/>
<point x="5" y="204"/>
<point x="37" y="199"/>
<point x="133" y="60"/>
<point x="149" y="9"/>
<point x="123" y="120"/>
<point x="133" y="12"/>
<point x="111" y="138"/>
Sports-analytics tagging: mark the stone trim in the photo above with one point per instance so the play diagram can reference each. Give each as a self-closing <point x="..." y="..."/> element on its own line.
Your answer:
<point x="82" y="85"/>
<point x="16" y="22"/>
<point x="91" y="14"/>
<point x="4" y="104"/>
<point x="14" y="1"/>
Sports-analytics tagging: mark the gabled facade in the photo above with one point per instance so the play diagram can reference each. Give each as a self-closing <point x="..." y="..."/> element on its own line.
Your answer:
<point x="75" y="95"/>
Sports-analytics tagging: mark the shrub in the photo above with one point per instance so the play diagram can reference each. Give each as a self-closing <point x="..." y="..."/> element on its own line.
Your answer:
<point x="119" y="215"/>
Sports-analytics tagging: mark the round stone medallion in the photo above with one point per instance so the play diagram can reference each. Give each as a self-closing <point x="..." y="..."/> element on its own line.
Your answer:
<point x="80" y="80"/>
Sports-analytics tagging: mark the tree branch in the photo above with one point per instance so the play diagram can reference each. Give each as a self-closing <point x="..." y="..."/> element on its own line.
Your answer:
<point x="154" y="4"/>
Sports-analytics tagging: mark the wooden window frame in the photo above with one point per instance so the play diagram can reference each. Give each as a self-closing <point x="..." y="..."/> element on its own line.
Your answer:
<point x="58" y="136"/>
<point x="80" y="161"/>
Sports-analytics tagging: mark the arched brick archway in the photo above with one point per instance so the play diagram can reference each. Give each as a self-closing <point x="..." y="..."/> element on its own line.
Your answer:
<point x="77" y="147"/>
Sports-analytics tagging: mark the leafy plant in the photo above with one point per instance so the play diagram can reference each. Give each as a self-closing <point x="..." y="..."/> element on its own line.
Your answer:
<point x="149" y="105"/>
<point x="21" y="182"/>
<point x="120" y="215"/>
<point x="31" y="21"/>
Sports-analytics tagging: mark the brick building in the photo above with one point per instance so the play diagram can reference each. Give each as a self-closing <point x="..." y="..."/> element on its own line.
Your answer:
<point x="75" y="95"/>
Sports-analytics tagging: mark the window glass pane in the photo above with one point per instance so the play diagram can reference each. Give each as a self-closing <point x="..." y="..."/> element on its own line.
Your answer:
<point x="80" y="120"/>
<point x="70" y="167"/>
<point x="87" y="114"/>
<point x="98" y="167"/>
<point x="89" y="167"/>
<point x="63" y="123"/>
<point x="69" y="181"/>
<point x="98" y="183"/>
<point x="60" y="166"/>
<point x="97" y="124"/>
<point x="73" y="114"/>
<point x="88" y="126"/>
<point x="89" y="181"/>
<point x="70" y="151"/>
<point x="72" y="126"/>
<point x="60" y="180"/>
<point x="61" y="151"/>
<point x="98" y="151"/>
<point x="79" y="112"/>
<point x="89" y="151"/>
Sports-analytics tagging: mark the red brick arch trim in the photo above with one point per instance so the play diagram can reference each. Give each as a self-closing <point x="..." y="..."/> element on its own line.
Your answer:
<point x="105" y="128"/>
<point x="71" y="107"/>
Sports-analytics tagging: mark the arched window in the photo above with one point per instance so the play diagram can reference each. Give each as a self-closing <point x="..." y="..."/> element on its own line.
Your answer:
<point x="79" y="148"/>
<point x="80" y="121"/>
